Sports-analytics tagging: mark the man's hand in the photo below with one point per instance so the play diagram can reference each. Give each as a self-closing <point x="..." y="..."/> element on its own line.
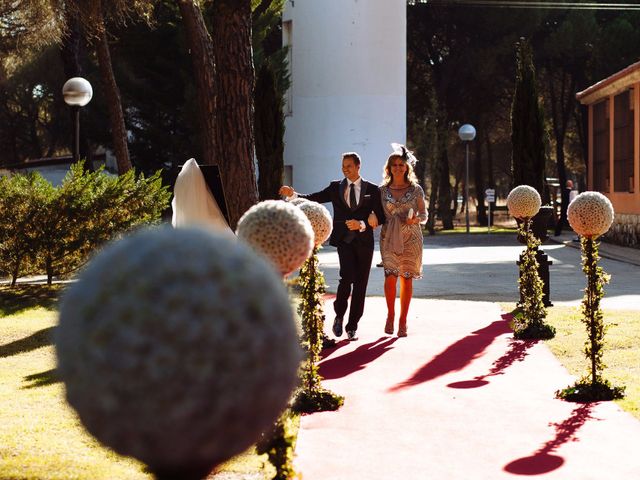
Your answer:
<point x="353" y="224"/>
<point x="373" y="220"/>
<point x="286" y="191"/>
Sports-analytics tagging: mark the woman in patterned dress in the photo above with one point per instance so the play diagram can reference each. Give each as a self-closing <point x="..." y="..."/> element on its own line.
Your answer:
<point x="401" y="236"/>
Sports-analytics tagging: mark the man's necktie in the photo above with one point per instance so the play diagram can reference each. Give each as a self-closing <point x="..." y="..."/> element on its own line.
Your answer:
<point x="352" y="196"/>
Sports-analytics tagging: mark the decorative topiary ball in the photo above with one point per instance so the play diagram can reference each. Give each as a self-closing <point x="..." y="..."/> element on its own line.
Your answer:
<point x="297" y="201"/>
<point x="177" y="347"/>
<point x="279" y="231"/>
<point x="590" y="214"/>
<point x="320" y="219"/>
<point x="523" y="201"/>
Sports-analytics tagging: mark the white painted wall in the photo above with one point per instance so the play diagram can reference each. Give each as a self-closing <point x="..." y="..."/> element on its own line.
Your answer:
<point x="348" y="69"/>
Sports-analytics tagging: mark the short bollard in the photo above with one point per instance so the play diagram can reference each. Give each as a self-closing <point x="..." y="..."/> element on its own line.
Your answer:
<point x="543" y="271"/>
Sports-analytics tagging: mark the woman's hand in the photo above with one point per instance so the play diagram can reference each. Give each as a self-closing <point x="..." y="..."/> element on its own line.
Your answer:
<point x="354" y="225"/>
<point x="373" y="220"/>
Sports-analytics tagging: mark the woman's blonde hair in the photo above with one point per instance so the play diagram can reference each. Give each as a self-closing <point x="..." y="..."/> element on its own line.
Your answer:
<point x="409" y="174"/>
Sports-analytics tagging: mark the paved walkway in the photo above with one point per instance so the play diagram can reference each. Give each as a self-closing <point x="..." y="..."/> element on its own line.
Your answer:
<point x="459" y="398"/>
<point x="483" y="267"/>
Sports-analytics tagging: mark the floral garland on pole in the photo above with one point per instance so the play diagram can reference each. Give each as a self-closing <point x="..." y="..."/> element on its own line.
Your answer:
<point x="523" y="203"/>
<point x="590" y="215"/>
<point x="279" y="445"/>
<point x="312" y="397"/>
<point x="283" y="234"/>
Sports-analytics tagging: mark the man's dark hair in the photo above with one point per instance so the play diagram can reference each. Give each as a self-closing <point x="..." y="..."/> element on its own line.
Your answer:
<point x="353" y="155"/>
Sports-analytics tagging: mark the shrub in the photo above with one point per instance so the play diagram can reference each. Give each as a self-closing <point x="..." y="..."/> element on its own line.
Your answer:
<point x="54" y="230"/>
<point x="23" y="199"/>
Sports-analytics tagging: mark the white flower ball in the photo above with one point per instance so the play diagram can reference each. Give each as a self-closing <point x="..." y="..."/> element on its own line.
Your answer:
<point x="279" y="231"/>
<point x="297" y="201"/>
<point x="320" y="219"/>
<point x="590" y="214"/>
<point x="177" y="347"/>
<point x="523" y="202"/>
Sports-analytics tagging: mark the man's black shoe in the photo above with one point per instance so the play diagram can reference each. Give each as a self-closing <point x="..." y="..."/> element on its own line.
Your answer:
<point x="352" y="335"/>
<point x="337" y="327"/>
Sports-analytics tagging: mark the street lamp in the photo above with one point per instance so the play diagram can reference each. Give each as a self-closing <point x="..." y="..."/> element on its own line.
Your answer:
<point x="466" y="133"/>
<point x="77" y="92"/>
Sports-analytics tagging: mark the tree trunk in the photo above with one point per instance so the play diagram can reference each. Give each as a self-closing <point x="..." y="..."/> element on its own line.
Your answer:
<point x="490" y="181"/>
<point x="203" y="62"/>
<point x="581" y="117"/>
<point x="269" y="128"/>
<point x="15" y="273"/>
<point x="114" y="105"/>
<point x="481" y="212"/>
<point x="435" y="182"/>
<point x="49" y="269"/>
<point x="562" y="104"/>
<point x="458" y="189"/>
<point x="234" y="126"/>
<point x="444" y="188"/>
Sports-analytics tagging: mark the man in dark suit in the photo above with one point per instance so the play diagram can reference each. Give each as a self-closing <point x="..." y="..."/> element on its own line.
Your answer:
<point x="565" y="200"/>
<point x="353" y="199"/>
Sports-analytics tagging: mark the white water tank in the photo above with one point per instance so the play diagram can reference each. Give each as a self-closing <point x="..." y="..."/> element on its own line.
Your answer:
<point x="348" y="92"/>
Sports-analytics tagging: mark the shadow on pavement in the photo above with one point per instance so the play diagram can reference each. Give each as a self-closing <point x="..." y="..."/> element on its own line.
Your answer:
<point x="457" y="356"/>
<point x="542" y="461"/>
<point x="351" y="362"/>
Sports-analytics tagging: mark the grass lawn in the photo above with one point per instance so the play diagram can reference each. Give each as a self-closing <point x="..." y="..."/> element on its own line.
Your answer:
<point x="621" y="354"/>
<point x="40" y="435"/>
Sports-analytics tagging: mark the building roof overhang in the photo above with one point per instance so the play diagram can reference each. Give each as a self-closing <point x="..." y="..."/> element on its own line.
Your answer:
<point x="611" y="85"/>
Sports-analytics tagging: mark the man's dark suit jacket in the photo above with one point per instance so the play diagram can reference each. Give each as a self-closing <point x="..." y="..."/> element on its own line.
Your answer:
<point x="369" y="202"/>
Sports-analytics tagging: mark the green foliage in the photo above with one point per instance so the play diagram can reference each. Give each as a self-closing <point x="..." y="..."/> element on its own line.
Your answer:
<point x="312" y="288"/>
<point x="34" y="120"/>
<point x="591" y="311"/>
<point x="60" y="227"/>
<point x="593" y="387"/>
<point x="311" y="397"/>
<point x="586" y="391"/>
<point x="272" y="81"/>
<point x="529" y="322"/>
<point x="23" y="200"/>
<point x="318" y="400"/>
<point x="158" y="90"/>
<point x="279" y="445"/>
<point x="269" y="134"/>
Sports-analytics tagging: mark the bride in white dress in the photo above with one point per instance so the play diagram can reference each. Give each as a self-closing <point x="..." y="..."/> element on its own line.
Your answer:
<point x="193" y="204"/>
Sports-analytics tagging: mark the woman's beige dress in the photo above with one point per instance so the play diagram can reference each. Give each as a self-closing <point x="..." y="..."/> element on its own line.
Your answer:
<point x="401" y="244"/>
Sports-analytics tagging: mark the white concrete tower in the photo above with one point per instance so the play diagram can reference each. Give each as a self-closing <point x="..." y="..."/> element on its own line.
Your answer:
<point x="348" y="91"/>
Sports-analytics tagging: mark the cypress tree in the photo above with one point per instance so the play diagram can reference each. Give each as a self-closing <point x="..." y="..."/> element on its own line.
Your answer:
<point x="269" y="132"/>
<point x="527" y="125"/>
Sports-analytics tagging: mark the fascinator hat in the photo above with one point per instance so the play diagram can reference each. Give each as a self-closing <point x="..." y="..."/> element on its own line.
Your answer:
<point x="403" y="152"/>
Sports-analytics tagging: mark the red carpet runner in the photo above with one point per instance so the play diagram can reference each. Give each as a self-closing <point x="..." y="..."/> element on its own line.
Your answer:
<point x="457" y="399"/>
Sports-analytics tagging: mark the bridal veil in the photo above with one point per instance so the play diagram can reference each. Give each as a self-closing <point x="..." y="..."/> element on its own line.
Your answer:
<point x="193" y="204"/>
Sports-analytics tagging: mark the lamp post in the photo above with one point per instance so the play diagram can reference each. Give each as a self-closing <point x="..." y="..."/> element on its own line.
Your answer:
<point x="77" y="92"/>
<point x="466" y="132"/>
